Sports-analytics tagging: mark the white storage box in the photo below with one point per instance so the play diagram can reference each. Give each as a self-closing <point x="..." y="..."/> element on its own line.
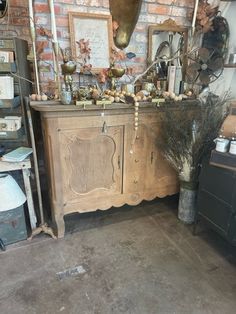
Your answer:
<point x="6" y="87"/>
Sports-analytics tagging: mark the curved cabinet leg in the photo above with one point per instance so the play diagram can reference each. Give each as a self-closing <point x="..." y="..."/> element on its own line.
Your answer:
<point x="58" y="220"/>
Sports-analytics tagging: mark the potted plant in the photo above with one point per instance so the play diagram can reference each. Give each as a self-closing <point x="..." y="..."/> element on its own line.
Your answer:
<point x="186" y="137"/>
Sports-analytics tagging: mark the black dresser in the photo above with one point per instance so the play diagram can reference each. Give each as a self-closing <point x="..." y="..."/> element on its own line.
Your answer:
<point x="216" y="201"/>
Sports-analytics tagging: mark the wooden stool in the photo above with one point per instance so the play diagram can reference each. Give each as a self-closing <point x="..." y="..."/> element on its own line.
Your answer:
<point x="25" y="166"/>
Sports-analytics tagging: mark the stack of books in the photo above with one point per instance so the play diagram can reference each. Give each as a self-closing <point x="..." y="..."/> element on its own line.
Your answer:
<point x="6" y="56"/>
<point x="6" y="87"/>
<point x="18" y="154"/>
<point x="174" y="78"/>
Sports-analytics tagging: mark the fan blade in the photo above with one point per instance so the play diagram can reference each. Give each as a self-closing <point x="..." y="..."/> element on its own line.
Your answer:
<point x="192" y="71"/>
<point x="204" y="78"/>
<point x="194" y="66"/>
<point x="203" y="54"/>
<point x="215" y="65"/>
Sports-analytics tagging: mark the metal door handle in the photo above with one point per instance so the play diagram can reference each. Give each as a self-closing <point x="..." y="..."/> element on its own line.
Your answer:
<point x="152" y="157"/>
<point x="118" y="162"/>
<point x="104" y="127"/>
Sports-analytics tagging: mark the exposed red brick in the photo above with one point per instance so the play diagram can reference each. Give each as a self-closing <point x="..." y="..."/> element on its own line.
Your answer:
<point x="141" y="27"/>
<point x="92" y="3"/>
<point x="19" y="3"/>
<point x="153" y="11"/>
<point x="18" y="11"/>
<point x="165" y="2"/>
<point x="178" y="11"/>
<point x="139" y="60"/>
<point x="158" y="9"/>
<point x="182" y="3"/>
<point x="41" y="8"/>
<point x="20" y="21"/>
<point x="46" y="56"/>
<point x="25" y="31"/>
<point x="44" y="8"/>
<point x="185" y="3"/>
<point x="62" y="21"/>
<point x="66" y="1"/>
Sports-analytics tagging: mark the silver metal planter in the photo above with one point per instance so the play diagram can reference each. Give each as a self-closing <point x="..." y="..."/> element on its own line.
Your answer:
<point x="187" y="201"/>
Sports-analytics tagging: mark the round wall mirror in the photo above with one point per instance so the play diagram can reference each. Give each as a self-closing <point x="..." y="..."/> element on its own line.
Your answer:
<point x="3" y="8"/>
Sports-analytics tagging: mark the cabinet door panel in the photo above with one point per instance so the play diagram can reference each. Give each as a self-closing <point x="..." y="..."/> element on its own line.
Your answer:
<point x="91" y="162"/>
<point x="135" y="161"/>
<point x="145" y="168"/>
<point x="159" y="172"/>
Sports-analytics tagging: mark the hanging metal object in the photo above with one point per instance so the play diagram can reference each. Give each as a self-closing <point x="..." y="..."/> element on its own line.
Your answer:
<point x="125" y="13"/>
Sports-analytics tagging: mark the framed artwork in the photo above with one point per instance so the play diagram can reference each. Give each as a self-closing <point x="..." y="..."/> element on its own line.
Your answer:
<point x="95" y="28"/>
<point x="3" y="7"/>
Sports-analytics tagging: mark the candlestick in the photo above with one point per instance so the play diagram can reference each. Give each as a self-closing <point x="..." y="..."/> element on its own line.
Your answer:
<point x="194" y="16"/>
<point x="55" y="45"/>
<point x="33" y="37"/>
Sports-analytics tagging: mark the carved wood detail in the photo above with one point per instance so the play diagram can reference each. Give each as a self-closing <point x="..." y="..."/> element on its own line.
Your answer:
<point x="90" y="162"/>
<point x="92" y="168"/>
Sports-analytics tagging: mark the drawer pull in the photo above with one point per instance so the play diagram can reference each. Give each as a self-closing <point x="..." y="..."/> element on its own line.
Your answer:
<point x="152" y="157"/>
<point x="135" y="181"/>
<point x="104" y="127"/>
<point x="118" y="162"/>
<point x="136" y="160"/>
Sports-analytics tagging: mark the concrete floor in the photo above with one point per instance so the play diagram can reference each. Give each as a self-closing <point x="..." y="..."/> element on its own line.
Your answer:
<point x="129" y="260"/>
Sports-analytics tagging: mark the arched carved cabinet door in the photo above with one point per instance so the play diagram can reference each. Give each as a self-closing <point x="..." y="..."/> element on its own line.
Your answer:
<point x="3" y="8"/>
<point x="91" y="163"/>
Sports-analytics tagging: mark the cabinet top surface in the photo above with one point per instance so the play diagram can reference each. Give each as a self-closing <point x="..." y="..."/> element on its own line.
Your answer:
<point x="56" y="106"/>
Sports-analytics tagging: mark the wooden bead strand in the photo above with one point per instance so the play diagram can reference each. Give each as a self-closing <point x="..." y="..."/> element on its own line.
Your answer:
<point x="136" y="113"/>
<point x="136" y="123"/>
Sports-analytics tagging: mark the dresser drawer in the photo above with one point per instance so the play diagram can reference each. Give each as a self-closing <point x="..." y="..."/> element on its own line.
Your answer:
<point x="218" y="181"/>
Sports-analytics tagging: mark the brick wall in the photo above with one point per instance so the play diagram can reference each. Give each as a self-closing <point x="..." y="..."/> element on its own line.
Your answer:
<point x="152" y="12"/>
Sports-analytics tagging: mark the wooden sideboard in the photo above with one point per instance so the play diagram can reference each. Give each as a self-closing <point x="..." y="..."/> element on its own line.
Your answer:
<point x="95" y="160"/>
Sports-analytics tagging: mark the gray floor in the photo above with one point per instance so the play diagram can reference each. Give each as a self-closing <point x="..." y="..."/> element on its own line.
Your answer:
<point x="126" y="260"/>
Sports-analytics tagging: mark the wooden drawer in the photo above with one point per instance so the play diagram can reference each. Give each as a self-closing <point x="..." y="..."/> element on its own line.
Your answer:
<point x="218" y="181"/>
<point x="214" y="210"/>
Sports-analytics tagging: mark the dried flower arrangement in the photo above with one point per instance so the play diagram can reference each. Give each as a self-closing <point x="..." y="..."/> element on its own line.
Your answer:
<point x="186" y="138"/>
<point x="84" y="55"/>
<point x="84" y="50"/>
<point x="118" y="60"/>
<point x="205" y="13"/>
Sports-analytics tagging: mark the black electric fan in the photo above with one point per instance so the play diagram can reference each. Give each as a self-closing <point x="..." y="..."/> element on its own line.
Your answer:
<point x="204" y="68"/>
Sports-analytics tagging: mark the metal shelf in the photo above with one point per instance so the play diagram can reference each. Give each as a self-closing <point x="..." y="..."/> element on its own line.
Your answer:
<point x="229" y="65"/>
<point x="22" y="88"/>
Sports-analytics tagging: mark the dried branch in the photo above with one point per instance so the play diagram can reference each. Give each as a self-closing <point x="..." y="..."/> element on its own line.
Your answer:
<point x="187" y="136"/>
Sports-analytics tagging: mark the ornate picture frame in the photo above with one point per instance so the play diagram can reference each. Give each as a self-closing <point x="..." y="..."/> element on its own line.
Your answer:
<point x="3" y="8"/>
<point x="97" y="28"/>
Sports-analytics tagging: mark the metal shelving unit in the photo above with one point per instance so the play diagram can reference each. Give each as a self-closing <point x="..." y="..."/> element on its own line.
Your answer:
<point x="19" y="69"/>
